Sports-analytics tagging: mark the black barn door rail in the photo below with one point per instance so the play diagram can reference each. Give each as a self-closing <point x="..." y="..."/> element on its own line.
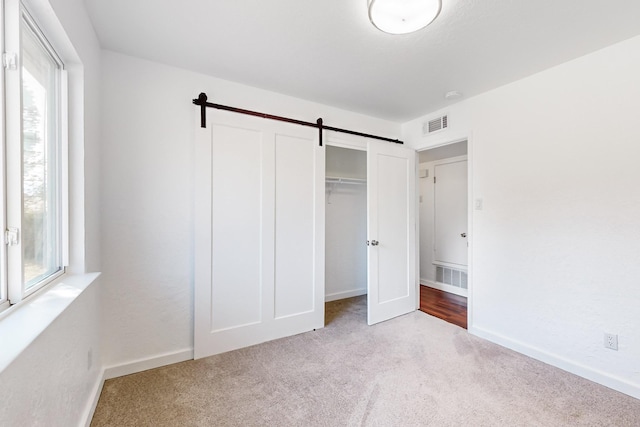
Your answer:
<point x="201" y="101"/>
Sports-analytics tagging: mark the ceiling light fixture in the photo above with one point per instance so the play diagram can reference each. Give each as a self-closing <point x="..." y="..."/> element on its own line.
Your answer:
<point x="402" y="16"/>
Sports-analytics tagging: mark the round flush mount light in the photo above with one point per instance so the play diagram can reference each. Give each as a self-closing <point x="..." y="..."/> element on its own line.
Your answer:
<point x="402" y="16"/>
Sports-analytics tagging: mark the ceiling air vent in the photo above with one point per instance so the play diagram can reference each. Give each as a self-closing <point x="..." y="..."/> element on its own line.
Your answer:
<point x="435" y="125"/>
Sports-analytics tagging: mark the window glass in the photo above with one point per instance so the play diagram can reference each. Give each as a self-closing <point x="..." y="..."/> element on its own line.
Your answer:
<point x="40" y="151"/>
<point x="33" y="158"/>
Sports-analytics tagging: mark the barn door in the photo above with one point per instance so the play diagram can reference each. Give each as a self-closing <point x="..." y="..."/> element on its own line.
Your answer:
<point x="391" y="231"/>
<point x="259" y="232"/>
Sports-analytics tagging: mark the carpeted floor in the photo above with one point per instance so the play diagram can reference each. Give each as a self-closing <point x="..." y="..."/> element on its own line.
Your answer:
<point x="414" y="370"/>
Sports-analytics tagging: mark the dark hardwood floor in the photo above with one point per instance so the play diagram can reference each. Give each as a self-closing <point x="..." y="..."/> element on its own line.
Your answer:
<point x="449" y="307"/>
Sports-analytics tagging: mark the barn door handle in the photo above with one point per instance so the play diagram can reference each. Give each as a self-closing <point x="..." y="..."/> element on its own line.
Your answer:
<point x="463" y="235"/>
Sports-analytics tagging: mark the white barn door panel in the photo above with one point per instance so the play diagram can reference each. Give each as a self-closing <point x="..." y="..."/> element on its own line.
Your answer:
<point x="259" y="232"/>
<point x="294" y="225"/>
<point x="391" y="231"/>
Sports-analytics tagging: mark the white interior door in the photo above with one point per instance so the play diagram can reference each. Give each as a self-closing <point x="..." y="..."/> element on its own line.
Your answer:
<point x="259" y="232"/>
<point x="450" y="208"/>
<point x="391" y="231"/>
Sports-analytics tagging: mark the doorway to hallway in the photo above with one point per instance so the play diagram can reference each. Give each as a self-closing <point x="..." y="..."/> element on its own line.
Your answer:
<point x="443" y="211"/>
<point x="449" y="307"/>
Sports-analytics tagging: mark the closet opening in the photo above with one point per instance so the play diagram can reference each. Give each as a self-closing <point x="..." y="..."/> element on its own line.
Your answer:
<point x="443" y="216"/>
<point x="345" y="223"/>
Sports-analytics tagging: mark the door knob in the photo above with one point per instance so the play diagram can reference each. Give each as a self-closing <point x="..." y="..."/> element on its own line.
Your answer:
<point x="374" y="243"/>
<point x="463" y="235"/>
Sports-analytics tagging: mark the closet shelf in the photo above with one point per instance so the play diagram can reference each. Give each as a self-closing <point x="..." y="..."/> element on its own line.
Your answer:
<point x="342" y="180"/>
<point x="333" y="182"/>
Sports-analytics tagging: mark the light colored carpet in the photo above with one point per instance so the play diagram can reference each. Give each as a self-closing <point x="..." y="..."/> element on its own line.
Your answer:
<point x="414" y="370"/>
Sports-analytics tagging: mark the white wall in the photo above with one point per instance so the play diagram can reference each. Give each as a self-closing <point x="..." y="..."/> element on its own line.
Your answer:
<point x="346" y="162"/>
<point x="345" y="225"/>
<point x="84" y="130"/>
<point x="147" y="201"/>
<point x="555" y="249"/>
<point x="426" y="200"/>
<point x="54" y="380"/>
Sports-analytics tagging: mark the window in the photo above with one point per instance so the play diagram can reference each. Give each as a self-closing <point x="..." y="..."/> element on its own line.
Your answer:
<point x="34" y="194"/>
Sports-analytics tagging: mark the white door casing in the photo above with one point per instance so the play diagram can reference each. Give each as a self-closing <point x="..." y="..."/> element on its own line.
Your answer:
<point x="259" y="232"/>
<point x="450" y="213"/>
<point x="391" y="229"/>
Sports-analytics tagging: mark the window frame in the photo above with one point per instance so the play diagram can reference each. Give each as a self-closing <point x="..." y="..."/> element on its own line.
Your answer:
<point x="15" y="14"/>
<point x="4" y="287"/>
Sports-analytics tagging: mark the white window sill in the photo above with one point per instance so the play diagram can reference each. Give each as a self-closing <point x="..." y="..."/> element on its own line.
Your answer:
<point x="21" y="325"/>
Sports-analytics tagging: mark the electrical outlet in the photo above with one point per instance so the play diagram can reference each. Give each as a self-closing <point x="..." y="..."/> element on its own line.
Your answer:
<point x="611" y="341"/>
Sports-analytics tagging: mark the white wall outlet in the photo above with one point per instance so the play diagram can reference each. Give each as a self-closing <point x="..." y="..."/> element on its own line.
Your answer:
<point x="611" y="341"/>
<point x="477" y="204"/>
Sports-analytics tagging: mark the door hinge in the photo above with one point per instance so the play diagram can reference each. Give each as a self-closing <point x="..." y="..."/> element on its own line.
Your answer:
<point x="10" y="60"/>
<point x="434" y="179"/>
<point x="11" y="236"/>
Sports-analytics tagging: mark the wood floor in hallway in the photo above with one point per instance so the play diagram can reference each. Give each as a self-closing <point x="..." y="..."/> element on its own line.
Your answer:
<point x="444" y="305"/>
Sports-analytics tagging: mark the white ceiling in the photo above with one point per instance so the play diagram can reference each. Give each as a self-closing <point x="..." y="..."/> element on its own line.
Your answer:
<point x="327" y="50"/>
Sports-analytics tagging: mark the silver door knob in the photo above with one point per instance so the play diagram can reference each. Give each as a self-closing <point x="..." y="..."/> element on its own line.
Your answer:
<point x="374" y="243"/>
<point x="463" y="235"/>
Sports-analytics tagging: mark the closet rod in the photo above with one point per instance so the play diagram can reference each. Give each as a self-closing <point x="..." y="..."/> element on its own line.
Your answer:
<point x="201" y="100"/>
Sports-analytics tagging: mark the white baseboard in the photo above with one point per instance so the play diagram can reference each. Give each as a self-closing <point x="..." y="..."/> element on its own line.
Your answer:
<point x="591" y="374"/>
<point x="346" y="294"/>
<point x="87" y="415"/>
<point x="127" y="369"/>
<point x="444" y="287"/>
<point x="147" y="363"/>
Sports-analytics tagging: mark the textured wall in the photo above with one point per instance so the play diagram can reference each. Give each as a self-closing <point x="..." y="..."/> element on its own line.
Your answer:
<point x="147" y="183"/>
<point x="555" y="249"/>
<point x="52" y="381"/>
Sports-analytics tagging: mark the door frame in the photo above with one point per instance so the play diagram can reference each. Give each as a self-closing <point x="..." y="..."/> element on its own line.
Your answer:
<point x="362" y="144"/>
<point x="343" y="141"/>
<point x="422" y="146"/>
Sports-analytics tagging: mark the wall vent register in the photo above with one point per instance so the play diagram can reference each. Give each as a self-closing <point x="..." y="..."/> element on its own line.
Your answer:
<point x="451" y="276"/>
<point x="435" y="125"/>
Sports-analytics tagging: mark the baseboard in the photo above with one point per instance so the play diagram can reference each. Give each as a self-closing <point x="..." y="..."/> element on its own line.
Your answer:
<point x="444" y="287"/>
<point x="127" y="369"/>
<point x="583" y="371"/>
<point x="147" y="363"/>
<point x="346" y="294"/>
<point x="87" y="415"/>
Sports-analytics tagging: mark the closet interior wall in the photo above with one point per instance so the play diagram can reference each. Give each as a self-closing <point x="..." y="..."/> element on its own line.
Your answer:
<point x="345" y="223"/>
